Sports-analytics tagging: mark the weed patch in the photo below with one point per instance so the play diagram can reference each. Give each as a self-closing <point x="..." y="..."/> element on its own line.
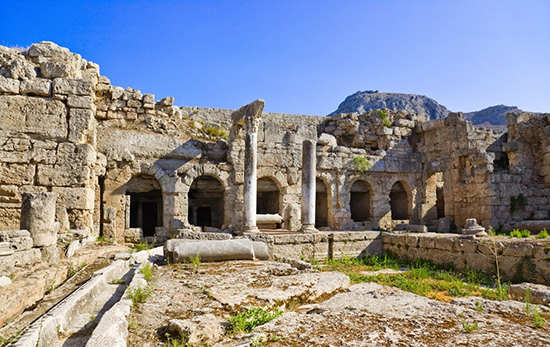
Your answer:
<point x="244" y="322"/>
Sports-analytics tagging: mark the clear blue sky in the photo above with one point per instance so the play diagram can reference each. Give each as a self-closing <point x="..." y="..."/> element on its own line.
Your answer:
<point x="304" y="56"/>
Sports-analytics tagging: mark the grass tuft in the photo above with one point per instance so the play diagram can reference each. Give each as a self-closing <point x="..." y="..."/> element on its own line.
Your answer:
<point x="244" y="322"/>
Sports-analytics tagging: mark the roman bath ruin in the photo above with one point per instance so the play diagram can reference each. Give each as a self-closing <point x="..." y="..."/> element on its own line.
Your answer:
<point x="82" y="160"/>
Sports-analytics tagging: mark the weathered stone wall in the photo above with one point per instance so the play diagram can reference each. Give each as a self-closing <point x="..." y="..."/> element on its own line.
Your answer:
<point x="66" y="129"/>
<point x="519" y="260"/>
<point x="48" y="132"/>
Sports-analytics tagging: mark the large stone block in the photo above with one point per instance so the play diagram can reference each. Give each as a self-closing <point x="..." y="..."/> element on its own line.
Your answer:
<point x="75" y="86"/>
<point x="8" y="85"/>
<point x="38" y="217"/>
<point x="76" y="198"/>
<point x="33" y="115"/>
<point x="62" y="175"/>
<point x="36" y="87"/>
<point x="82" y="126"/>
<point x="54" y="69"/>
<point x="27" y="257"/>
<point x="20" y="240"/>
<point x="50" y="254"/>
<point x="16" y="174"/>
<point x="86" y="102"/>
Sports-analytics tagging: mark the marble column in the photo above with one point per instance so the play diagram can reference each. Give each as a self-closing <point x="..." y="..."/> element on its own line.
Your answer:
<point x="248" y="117"/>
<point x="250" y="181"/>
<point x="308" y="186"/>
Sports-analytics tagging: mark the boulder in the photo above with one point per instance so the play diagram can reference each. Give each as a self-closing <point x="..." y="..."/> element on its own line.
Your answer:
<point x="198" y="331"/>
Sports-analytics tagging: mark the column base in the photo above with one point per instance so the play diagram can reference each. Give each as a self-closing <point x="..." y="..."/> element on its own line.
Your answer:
<point x="251" y="230"/>
<point x="309" y="228"/>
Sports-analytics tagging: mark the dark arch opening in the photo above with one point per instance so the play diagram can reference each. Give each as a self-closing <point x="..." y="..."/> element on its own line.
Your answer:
<point x="146" y="208"/>
<point x="399" y="202"/>
<point x="360" y="201"/>
<point x="321" y="204"/>
<point x="206" y="202"/>
<point x="267" y="201"/>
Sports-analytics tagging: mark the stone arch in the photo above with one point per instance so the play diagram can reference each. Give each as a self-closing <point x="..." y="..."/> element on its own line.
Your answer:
<point x="186" y="180"/>
<point x="400" y="201"/>
<point x="361" y="200"/>
<point x="144" y="206"/>
<point x="269" y="197"/>
<point x="206" y="205"/>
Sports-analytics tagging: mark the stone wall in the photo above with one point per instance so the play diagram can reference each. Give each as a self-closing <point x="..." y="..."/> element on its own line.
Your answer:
<point x="114" y="155"/>
<point x="519" y="260"/>
<point x="48" y="132"/>
<point x="323" y="245"/>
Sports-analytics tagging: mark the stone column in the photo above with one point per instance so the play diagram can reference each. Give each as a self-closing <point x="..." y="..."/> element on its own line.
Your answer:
<point x="250" y="181"/>
<point x="249" y="117"/>
<point x="38" y="217"/>
<point x="308" y="186"/>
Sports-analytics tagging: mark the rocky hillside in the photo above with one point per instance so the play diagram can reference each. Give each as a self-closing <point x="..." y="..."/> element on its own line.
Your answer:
<point x="369" y="100"/>
<point x="491" y="117"/>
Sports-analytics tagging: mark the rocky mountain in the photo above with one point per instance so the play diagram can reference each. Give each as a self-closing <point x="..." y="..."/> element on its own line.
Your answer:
<point x="369" y="100"/>
<point x="491" y="117"/>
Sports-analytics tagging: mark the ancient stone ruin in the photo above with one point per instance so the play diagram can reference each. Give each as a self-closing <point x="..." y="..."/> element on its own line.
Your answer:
<point x="79" y="156"/>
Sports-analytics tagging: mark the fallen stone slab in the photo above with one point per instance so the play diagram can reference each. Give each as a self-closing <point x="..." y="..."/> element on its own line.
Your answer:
<point x="538" y="294"/>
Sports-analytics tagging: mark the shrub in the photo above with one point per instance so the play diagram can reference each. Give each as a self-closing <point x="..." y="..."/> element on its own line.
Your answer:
<point x="543" y="234"/>
<point x="251" y="318"/>
<point x="139" y="295"/>
<point x="362" y="165"/>
<point x="147" y="271"/>
<point x="515" y="233"/>
<point x="385" y="119"/>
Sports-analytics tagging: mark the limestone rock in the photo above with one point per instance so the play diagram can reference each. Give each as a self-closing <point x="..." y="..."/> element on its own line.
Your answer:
<point x="199" y="330"/>
<point x="538" y="293"/>
<point x="4" y="281"/>
<point x="327" y="140"/>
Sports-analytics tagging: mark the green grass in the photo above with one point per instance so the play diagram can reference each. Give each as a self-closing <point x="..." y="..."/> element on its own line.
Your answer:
<point x="422" y="278"/>
<point x="195" y="261"/>
<point x="102" y="239"/>
<point x="142" y="246"/>
<point x="173" y="342"/>
<point x="467" y="327"/>
<point x="147" y="271"/>
<point x="520" y="233"/>
<point x="543" y="234"/>
<point x="245" y="321"/>
<point x="139" y="295"/>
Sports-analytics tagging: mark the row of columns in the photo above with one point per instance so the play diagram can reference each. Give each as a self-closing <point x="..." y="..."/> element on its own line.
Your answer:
<point x="250" y="116"/>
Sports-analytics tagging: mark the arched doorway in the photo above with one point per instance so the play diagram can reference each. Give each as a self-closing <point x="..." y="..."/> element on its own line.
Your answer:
<point x="268" y="196"/>
<point x="146" y="208"/>
<point x="399" y="202"/>
<point x="321" y="204"/>
<point x="360" y="202"/>
<point x="206" y="202"/>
